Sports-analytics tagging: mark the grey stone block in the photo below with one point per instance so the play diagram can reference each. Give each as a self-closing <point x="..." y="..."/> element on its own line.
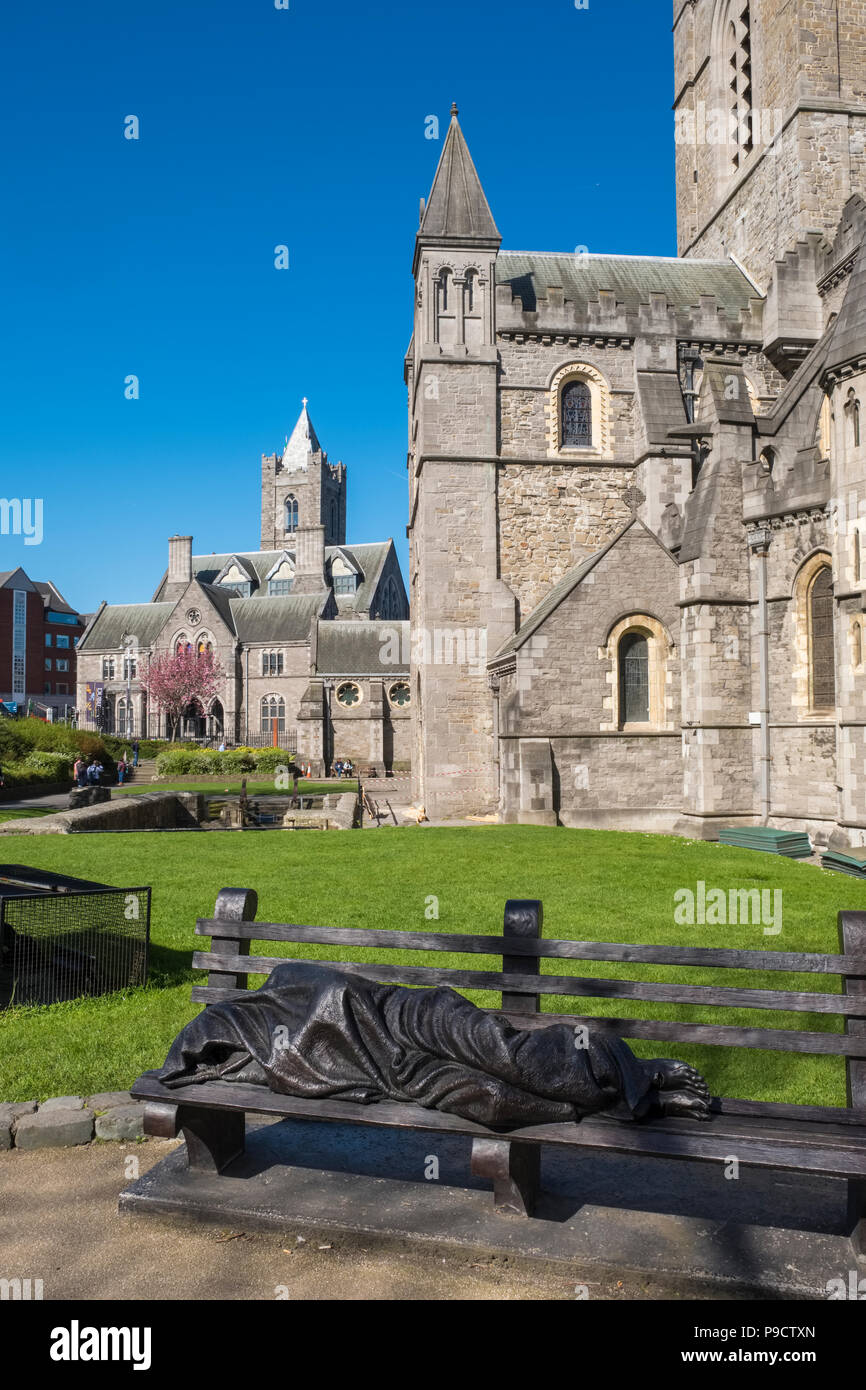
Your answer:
<point x="124" y="1122"/>
<point x="9" y="1113"/>
<point x="108" y="1100"/>
<point x="15" y="1108"/>
<point x="88" y="796"/>
<point x="63" y="1103"/>
<point x="54" y="1129"/>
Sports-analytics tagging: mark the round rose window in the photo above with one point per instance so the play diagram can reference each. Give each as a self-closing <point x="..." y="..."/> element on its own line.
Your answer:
<point x="399" y="694"/>
<point x="348" y="694"/>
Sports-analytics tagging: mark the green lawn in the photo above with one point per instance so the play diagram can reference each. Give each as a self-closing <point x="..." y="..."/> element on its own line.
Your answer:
<point x="217" y="786"/>
<point x="23" y="813"/>
<point x="594" y="884"/>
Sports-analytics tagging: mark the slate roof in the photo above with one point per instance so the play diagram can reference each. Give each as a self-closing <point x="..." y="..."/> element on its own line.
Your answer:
<point x="368" y="559"/>
<point x="286" y="619"/>
<point x="353" y="648"/>
<point x="6" y="575"/>
<point x="53" y="597"/>
<point x="457" y="210"/>
<point x="661" y="403"/>
<point x="631" y="278"/>
<point x="848" y="344"/>
<point x="143" y="620"/>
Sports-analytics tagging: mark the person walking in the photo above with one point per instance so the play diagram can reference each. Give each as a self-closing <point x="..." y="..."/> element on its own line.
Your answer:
<point x="121" y="770"/>
<point x="78" y="771"/>
<point x="135" y="752"/>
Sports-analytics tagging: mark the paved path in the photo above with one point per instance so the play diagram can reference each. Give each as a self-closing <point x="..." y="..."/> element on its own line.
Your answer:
<point x="59" y="1223"/>
<point x="57" y="802"/>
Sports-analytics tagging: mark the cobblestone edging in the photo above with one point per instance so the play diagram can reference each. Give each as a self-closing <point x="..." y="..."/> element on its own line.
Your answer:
<point x="67" y="1120"/>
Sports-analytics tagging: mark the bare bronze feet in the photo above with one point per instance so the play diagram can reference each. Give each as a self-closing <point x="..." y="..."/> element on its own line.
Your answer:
<point x="681" y="1090"/>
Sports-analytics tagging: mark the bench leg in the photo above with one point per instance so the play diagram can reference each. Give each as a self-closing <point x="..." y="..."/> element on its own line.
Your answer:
<point x="857" y="1216"/>
<point x="214" y="1138"/>
<point x="515" y="1170"/>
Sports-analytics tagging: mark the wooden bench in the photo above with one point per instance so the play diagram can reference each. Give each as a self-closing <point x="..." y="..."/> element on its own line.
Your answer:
<point x="819" y="1140"/>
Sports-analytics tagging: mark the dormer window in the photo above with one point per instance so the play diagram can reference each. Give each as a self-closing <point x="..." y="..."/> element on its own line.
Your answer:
<point x="345" y="583"/>
<point x="278" y="588"/>
<point x="242" y="587"/>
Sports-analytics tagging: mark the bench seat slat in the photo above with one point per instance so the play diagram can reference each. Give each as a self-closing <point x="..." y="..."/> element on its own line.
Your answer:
<point x="671" y="1138"/>
<point x="573" y="985"/>
<point x="667" y="1030"/>
<point x="798" y="962"/>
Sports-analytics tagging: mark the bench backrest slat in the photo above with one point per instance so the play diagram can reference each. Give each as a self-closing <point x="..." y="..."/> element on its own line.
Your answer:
<point x="589" y="987"/>
<point x="794" y="962"/>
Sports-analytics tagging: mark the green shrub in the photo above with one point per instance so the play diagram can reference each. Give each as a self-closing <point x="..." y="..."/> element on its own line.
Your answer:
<point x="174" y="762"/>
<point x="58" y="764"/>
<point x="237" y="760"/>
<point x="23" y="774"/>
<point x="269" y="759"/>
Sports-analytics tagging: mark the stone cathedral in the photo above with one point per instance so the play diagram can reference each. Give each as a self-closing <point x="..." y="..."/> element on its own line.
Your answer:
<point x="638" y="483"/>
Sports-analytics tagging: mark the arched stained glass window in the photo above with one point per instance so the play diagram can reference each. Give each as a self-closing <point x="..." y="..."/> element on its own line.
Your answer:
<point x="821" y="647"/>
<point x="576" y="416"/>
<point x="633" y="679"/>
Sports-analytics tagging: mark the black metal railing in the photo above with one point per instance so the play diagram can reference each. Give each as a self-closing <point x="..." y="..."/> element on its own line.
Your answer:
<point x="60" y="940"/>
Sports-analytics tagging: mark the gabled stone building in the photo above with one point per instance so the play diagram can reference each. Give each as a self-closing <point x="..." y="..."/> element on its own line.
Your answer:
<point x="310" y="631"/>
<point x="642" y="480"/>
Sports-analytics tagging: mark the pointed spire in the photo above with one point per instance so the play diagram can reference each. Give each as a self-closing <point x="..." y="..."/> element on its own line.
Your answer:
<point x="457" y="212"/>
<point x="303" y="442"/>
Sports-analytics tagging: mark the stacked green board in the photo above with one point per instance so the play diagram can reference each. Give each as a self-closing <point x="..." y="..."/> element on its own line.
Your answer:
<point x="794" y="844"/>
<point x="849" y="861"/>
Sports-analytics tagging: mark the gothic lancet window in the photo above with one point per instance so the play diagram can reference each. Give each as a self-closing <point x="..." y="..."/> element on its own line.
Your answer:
<point x="442" y="292"/>
<point x="822" y="673"/>
<point x="469" y="292"/>
<point x="291" y="515"/>
<point x="634" y="679"/>
<point x="576" y="416"/>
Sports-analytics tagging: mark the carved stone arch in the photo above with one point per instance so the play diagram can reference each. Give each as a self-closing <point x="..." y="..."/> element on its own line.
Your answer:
<point x="599" y="390"/>
<point x="660" y="650"/>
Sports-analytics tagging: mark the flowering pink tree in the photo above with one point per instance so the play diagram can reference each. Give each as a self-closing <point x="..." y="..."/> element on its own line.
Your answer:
<point x="175" y="682"/>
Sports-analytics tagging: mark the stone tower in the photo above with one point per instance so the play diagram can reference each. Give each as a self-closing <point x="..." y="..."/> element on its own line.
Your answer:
<point x="461" y="610"/>
<point x="300" y="489"/>
<point x="770" y="112"/>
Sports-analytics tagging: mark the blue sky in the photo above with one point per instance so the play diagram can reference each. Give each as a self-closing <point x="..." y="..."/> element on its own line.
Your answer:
<point x="260" y="127"/>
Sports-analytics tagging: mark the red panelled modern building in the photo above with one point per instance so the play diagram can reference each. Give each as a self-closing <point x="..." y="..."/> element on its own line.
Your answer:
<point x="39" y="633"/>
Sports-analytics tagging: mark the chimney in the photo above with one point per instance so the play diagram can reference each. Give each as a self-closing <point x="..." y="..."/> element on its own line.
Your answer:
<point x="179" y="565"/>
<point x="309" y="560"/>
